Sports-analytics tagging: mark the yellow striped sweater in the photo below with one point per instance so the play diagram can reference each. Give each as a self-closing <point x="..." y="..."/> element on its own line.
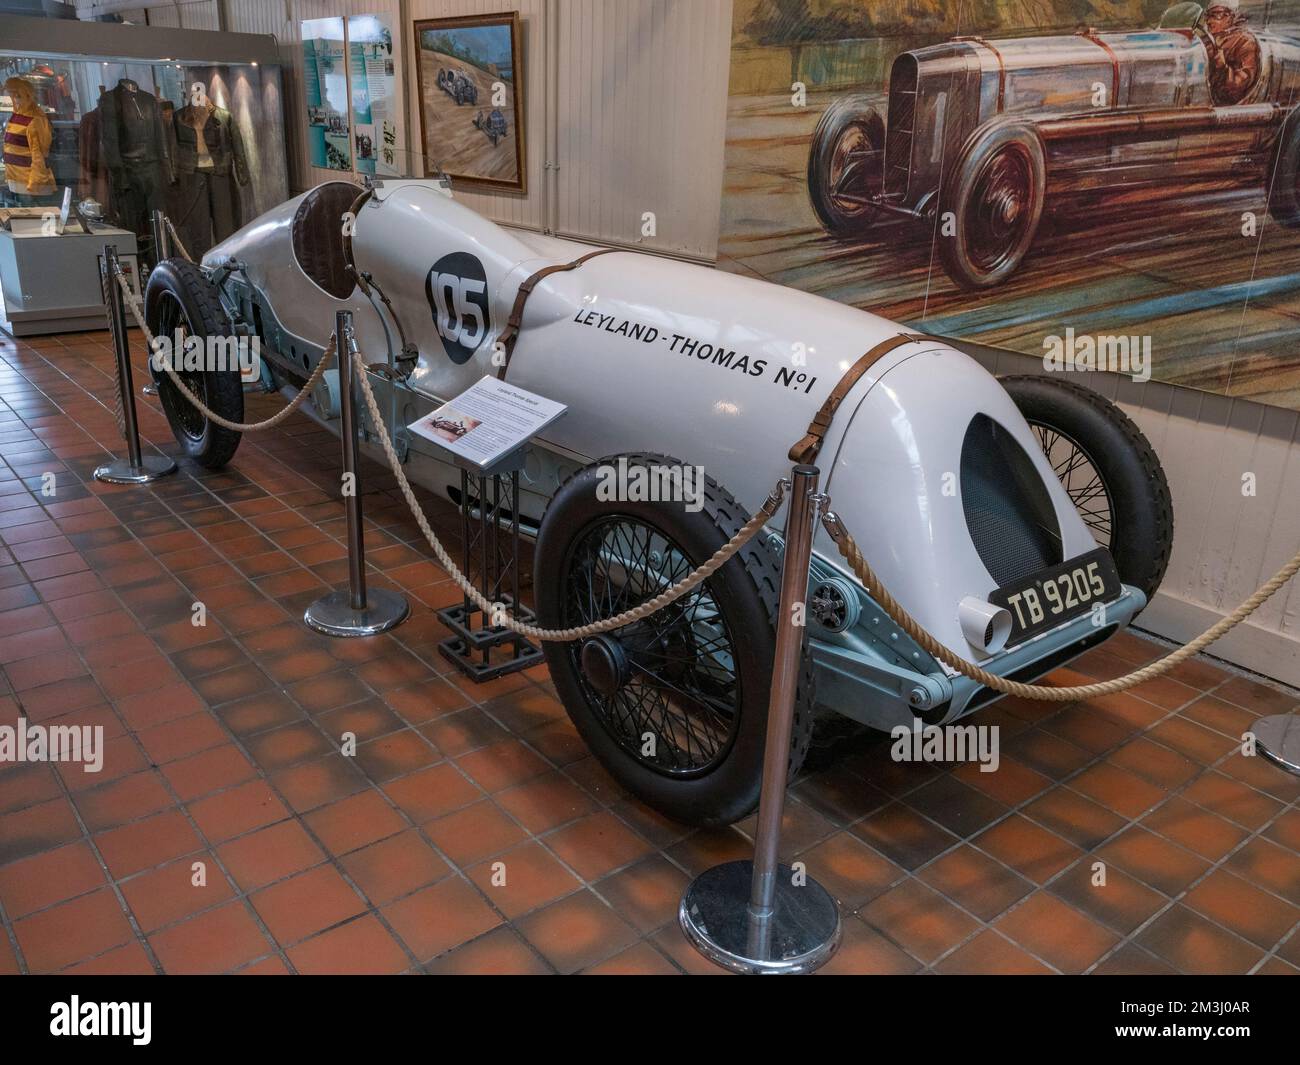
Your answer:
<point x="27" y="143"/>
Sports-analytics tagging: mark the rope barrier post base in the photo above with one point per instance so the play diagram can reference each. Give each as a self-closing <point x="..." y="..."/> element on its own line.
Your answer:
<point x="1277" y="738"/>
<point x="135" y="468"/>
<point x="357" y="611"/>
<point x="760" y="916"/>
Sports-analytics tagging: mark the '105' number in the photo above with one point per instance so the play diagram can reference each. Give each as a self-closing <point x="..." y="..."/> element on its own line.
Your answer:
<point x="459" y="317"/>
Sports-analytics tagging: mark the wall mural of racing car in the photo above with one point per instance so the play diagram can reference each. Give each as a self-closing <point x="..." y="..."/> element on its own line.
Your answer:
<point x="494" y="125"/>
<point x="1030" y="496"/>
<point x="985" y="136"/>
<point x="458" y="85"/>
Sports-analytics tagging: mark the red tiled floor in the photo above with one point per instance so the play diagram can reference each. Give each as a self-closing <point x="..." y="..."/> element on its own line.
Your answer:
<point x="440" y="917"/>
<point x="144" y="844"/>
<point x="360" y="806"/>
<point x="990" y="952"/>
<point x="239" y="810"/>
<point x="43" y="879"/>
<point x="269" y="854"/>
<point x="355" y="821"/>
<point x="1192" y="944"/>
<point x="176" y="890"/>
<point x="476" y="832"/>
<point x="597" y="845"/>
<point x="216" y="941"/>
<point x="522" y="879"/>
<point x="71" y="931"/>
<point x="1057" y="933"/>
<point x="394" y="867"/>
<point x="361" y="946"/>
<point x="577" y="932"/>
<point x="919" y="920"/>
<point x="310" y="902"/>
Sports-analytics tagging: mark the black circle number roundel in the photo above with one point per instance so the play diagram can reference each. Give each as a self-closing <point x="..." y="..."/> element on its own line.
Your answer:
<point x="458" y="297"/>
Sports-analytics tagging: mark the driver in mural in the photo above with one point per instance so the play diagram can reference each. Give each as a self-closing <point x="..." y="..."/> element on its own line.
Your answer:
<point x="1233" y="51"/>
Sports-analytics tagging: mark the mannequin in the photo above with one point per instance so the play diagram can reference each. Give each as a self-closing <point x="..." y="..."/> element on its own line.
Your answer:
<point x="210" y="167"/>
<point x="135" y="148"/>
<point x="27" y="138"/>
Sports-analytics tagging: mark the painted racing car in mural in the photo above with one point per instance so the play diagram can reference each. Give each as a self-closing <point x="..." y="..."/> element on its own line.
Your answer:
<point x="458" y="85"/>
<point x="1021" y="521"/>
<point x="983" y="137"/>
<point x="492" y="124"/>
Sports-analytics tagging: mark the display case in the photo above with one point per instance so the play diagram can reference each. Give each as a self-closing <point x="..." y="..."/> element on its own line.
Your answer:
<point x="139" y="119"/>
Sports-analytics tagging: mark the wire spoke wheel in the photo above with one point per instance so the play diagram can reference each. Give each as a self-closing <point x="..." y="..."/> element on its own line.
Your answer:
<point x="1108" y="469"/>
<point x="666" y="689"/>
<point x="675" y="705"/>
<point x="1081" y="480"/>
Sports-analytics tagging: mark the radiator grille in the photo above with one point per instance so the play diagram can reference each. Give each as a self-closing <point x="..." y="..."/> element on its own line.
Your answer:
<point x="901" y="126"/>
<point x="1008" y="512"/>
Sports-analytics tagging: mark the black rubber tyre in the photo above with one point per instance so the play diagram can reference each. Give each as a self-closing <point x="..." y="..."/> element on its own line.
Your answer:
<point x="744" y="593"/>
<point x="1284" y="196"/>
<point x="850" y="126"/>
<point x="180" y="295"/>
<point x="995" y="193"/>
<point x="1141" y="522"/>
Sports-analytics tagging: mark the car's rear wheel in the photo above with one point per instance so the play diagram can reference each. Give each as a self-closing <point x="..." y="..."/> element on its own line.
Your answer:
<point x="846" y="165"/>
<point x="1109" y="470"/>
<point x="181" y="302"/>
<point x="1284" y="196"/>
<point x="990" y="205"/>
<point x="674" y="706"/>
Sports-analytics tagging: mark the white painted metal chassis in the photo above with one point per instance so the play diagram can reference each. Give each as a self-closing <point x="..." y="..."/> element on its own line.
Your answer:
<point x="894" y="444"/>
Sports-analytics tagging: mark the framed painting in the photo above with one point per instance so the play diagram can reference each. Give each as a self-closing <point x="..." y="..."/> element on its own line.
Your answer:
<point x="470" y="77"/>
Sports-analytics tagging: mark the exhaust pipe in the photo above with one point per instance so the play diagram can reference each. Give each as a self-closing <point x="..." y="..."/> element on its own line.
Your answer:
<point x="985" y="626"/>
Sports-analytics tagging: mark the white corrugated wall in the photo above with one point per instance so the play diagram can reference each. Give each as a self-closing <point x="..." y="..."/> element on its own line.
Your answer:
<point x="636" y="113"/>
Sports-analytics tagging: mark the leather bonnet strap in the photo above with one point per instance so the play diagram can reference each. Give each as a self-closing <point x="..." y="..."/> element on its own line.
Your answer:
<point x="806" y="450"/>
<point x="511" y="332"/>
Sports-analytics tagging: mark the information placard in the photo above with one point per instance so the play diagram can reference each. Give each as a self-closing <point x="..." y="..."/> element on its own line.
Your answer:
<point x="488" y="421"/>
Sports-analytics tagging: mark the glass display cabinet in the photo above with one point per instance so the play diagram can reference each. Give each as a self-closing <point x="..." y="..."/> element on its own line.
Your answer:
<point x="132" y="119"/>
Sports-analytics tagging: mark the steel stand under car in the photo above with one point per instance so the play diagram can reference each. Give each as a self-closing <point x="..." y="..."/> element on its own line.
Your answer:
<point x="981" y="504"/>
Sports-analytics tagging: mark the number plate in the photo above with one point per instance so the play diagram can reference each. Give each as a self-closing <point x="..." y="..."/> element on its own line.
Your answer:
<point x="1058" y="594"/>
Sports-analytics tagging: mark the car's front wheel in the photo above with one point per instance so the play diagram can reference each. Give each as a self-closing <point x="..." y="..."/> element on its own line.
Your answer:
<point x="673" y="706"/>
<point x="846" y="165"/>
<point x="1108" y="469"/>
<point x="180" y="302"/>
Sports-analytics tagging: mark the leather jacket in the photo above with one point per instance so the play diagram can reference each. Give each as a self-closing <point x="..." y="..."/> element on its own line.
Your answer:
<point x="131" y="132"/>
<point x="1234" y="64"/>
<point x="222" y="139"/>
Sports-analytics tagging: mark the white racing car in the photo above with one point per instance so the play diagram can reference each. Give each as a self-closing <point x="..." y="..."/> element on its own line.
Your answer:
<point x="1021" y="521"/>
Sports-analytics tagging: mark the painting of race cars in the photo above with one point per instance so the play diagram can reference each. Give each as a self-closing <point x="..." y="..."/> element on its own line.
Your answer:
<point x="471" y="107"/>
<point x="1107" y="184"/>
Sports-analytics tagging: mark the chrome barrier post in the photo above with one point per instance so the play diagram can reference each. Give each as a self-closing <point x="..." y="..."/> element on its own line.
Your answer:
<point x="1277" y="738"/>
<point x="161" y="245"/>
<point x="757" y="916"/>
<point x="161" y="251"/>
<point x="357" y="611"/>
<point x="135" y="468"/>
